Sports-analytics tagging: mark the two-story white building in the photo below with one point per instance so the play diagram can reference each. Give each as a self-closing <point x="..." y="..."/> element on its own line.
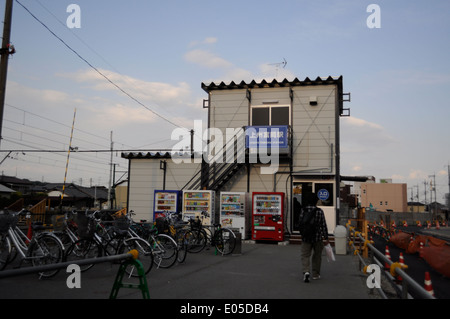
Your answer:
<point x="305" y="117"/>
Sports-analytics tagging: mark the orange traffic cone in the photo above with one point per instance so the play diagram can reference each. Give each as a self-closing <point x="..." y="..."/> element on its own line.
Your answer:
<point x="388" y="256"/>
<point x="437" y="225"/>
<point x="428" y="286"/>
<point x="421" y="250"/>
<point x="402" y="264"/>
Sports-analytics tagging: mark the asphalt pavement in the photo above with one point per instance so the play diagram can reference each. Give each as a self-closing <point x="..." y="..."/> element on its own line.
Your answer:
<point x="261" y="271"/>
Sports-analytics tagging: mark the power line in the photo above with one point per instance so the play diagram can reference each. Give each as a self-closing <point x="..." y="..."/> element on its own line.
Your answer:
<point x="57" y="122"/>
<point x="95" y="69"/>
<point x="84" y="151"/>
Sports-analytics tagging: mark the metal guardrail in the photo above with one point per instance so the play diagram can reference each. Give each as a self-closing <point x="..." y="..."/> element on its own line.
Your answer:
<point x="38" y="269"/>
<point x="375" y="256"/>
<point x="129" y="258"/>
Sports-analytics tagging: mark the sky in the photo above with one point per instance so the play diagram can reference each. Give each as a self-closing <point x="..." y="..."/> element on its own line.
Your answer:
<point x="133" y="70"/>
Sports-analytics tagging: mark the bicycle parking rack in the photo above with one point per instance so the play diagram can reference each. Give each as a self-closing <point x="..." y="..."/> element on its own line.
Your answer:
<point x="128" y="259"/>
<point x="120" y="274"/>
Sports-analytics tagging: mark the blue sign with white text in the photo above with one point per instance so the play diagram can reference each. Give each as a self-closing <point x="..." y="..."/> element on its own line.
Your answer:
<point x="266" y="136"/>
<point x="323" y="194"/>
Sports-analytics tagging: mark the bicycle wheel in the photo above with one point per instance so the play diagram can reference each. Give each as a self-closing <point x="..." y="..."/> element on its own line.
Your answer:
<point x="182" y="246"/>
<point x="165" y="251"/>
<point x="225" y="241"/>
<point x="5" y="251"/>
<point x="46" y="250"/>
<point x="145" y="254"/>
<point x="84" y="249"/>
<point x="64" y="238"/>
<point x="195" y="240"/>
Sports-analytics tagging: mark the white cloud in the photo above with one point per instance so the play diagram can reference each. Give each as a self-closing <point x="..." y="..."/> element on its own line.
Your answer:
<point x="359" y="135"/>
<point x="207" y="41"/>
<point x="163" y="94"/>
<point x="356" y="168"/>
<point x="210" y="40"/>
<point x="275" y="71"/>
<point x="207" y="59"/>
<point x="415" y="174"/>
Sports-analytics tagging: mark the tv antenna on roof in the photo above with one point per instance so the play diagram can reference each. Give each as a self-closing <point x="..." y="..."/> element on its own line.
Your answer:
<point x="278" y="65"/>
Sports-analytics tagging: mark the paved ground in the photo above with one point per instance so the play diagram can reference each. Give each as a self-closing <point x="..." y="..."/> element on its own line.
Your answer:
<point x="261" y="271"/>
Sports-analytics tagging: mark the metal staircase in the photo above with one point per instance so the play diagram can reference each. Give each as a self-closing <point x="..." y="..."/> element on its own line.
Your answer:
<point x="222" y="167"/>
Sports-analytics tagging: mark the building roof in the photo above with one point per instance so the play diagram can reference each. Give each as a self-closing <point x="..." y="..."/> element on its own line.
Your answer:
<point x="14" y="180"/>
<point x="77" y="191"/>
<point x="4" y="189"/>
<point x="146" y="155"/>
<point x="155" y="155"/>
<point x="330" y="80"/>
<point x="274" y="83"/>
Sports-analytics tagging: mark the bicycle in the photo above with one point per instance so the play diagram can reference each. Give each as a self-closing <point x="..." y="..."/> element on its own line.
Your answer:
<point x="92" y="245"/>
<point x="42" y="249"/>
<point x="65" y="229"/>
<point x="164" y="247"/>
<point x="222" y="238"/>
<point x="173" y="226"/>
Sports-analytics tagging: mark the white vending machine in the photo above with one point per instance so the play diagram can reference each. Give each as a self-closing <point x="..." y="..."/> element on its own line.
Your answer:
<point x="199" y="204"/>
<point x="235" y="211"/>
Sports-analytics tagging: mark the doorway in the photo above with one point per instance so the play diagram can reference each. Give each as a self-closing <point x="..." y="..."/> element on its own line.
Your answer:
<point x="324" y="191"/>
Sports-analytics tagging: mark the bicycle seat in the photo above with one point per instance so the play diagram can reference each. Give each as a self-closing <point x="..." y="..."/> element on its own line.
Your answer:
<point x="216" y="225"/>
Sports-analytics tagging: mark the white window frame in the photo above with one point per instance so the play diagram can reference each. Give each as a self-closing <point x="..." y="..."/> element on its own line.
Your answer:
<point x="269" y="106"/>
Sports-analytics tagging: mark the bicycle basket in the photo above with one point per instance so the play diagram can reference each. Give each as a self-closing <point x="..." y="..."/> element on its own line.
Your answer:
<point x="86" y="226"/>
<point x="162" y="225"/>
<point x="121" y="224"/>
<point x="6" y="221"/>
<point x="195" y="223"/>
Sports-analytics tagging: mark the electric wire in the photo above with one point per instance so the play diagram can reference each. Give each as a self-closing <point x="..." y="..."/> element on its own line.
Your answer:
<point x="96" y="69"/>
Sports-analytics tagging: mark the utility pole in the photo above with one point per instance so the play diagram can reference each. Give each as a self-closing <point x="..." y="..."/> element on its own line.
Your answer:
<point x="448" y="195"/>
<point x="433" y="187"/>
<point x="5" y="51"/>
<point x="425" y="191"/>
<point x="110" y="172"/>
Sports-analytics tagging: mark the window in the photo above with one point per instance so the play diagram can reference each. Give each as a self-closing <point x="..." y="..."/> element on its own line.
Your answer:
<point x="270" y="115"/>
<point x="260" y="116"/>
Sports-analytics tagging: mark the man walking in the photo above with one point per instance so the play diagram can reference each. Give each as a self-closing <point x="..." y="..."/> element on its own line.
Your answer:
<point x="313" y="229"/>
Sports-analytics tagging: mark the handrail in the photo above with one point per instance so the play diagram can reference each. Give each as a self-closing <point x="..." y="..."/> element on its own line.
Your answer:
<point x="218" y="164"/>
<point x="30" y="270"/>
<point x="400" y="272"/>
<point x="407" y="281"/>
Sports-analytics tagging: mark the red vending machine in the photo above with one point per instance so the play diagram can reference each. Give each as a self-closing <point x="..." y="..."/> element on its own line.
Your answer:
<point x="268" y="216"/>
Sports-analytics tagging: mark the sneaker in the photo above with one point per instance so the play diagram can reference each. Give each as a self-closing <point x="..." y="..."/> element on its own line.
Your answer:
<point x="315" y="277"/>
<point x="306" y="277"/>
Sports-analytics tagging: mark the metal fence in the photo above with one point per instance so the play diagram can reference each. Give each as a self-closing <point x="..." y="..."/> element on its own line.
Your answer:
<point x="364" y="249"/>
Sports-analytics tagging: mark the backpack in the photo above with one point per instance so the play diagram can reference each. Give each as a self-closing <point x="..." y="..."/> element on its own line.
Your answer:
<point x="307" y="223"/>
